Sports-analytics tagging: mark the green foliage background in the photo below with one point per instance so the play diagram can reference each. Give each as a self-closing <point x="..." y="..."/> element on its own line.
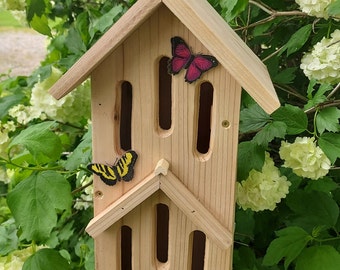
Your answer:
<point x="47" y="158"/>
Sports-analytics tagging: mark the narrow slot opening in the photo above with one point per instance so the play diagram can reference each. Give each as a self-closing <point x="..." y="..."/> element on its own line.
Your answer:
<point x="164" y="95"/>
<point x="198" y="250"/>
<point x="125" y="116"/>
<point x="162" y="232"/>
<point x="206" y="92"/>
<point x="126" y="248"/>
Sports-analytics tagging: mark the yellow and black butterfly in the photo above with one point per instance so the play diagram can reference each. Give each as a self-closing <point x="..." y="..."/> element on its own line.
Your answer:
<point x="121" y="170"/>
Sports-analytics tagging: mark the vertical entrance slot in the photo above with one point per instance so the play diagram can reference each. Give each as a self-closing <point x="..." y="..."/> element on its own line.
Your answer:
<point x="162" y="237"/>
<point x="198" y="250"/>
<point x="164" y="95"/>
<point x="125" y="116"/>
<point x="126" y="247"/>
<point x="206" y="92"/>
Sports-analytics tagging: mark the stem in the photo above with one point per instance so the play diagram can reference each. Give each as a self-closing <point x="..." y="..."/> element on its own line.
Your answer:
<point x="9" y="161"/>
<point x="326" y="104"/>
<point x="275" y="13"/>
<point x="272" y="54"/>
<point x="334" y="90"/>
<point x="81" y="188"/>
<point x="272" y="14"/>
<point x="291" y="91"/>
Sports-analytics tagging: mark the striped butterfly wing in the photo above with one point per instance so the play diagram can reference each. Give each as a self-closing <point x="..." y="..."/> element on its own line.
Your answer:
<point x="106" y="173"/>
<point x="125" y="164"/>
<point x="122" y="170"/>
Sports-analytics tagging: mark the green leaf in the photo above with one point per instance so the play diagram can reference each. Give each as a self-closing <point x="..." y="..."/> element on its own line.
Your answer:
<point x="82" y="154"/>
<point x="318" y="258"/>
<point x="233" y="8"/>
<point x="297" y="40"/>
<point x="46" y="259"/>
<point x="319" y="96"/>
<point x="253" y="118"/>
<point x="36" y="201"/>
<point x="44" y="145"/>
<point x="34" y="7"/>
<point x="330" y="144"/>
<point x="333" y="9"/>
<point x="244" y="258"/>
<point x="245" y="224"/>
<point x="8" y="237"/>
<point x="276" y="129"/>
<point x="250" y="156"/>
<point x="74" y="42"/>
<point x="295" y="119"/>
<point x="313" y="209"/>
<point x="325" y="184"/>
<point x="104" y="22"/>
<point x="9" y="101"/>
<point x="328" y="119"/>
<point x="40" y="24"/>
<point x="289" y="244"/>
<point x="286" y="76"/>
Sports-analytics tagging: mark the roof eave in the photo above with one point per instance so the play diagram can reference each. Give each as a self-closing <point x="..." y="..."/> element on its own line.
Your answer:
<point x="206" y="24"/>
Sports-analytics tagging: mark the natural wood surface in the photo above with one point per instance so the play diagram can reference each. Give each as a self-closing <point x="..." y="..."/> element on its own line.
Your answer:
<point x="209" y="177"/>
<point x="206" y="24"/>
<point x="176" y="192"/>
<point x="197" y="188"/>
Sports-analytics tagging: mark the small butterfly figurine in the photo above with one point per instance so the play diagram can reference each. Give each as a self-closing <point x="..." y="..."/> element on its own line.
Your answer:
<point x="122" y="170"/>
<point x="183" y="58"/>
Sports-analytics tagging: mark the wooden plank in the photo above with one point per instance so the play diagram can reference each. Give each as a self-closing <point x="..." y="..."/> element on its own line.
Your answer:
<point x="195" y="211"/>
<point x="81" y="70"/>
<point x="123" y="205"/>
<point x="215" y="34"/>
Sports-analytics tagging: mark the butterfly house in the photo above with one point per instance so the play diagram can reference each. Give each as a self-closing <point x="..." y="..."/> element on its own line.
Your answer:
<point x="166" y="84"/>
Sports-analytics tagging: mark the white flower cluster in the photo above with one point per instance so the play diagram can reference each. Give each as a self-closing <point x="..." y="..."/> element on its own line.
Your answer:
<point x="5" y="128"/>
<point x="317" y="8"/>
<point x="17" y="9"/>
<point x="262" y="190"/>
<point x="70" y="109"/>
<point x="85" y="200"/>
<point x="6" y="176"/>
<point x="15" y="260"/>
<point x="323" y="62"/>
<point x="305" y="158"/>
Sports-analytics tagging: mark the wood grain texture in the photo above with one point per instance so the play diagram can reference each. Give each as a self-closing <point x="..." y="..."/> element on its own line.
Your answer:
<point x="206" y="25"/>
<point x="210" y="177"/>
<point x="81" y="70"/>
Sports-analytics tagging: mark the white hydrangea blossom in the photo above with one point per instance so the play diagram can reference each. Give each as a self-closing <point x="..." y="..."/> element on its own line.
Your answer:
<point x="85" y="200"/>
<point x="25" y="114"/>
<point x="317" y="8"/>
<point x="305" y="158"/>
<point x="6" y="176"/>
<point x="15" y="260"/>
<point x="323" y="62"/>
<point x="5" y="128"/>
<point x="72" y="108"/>
<point x="262" y="190"/>
<point x="17" y="9"/>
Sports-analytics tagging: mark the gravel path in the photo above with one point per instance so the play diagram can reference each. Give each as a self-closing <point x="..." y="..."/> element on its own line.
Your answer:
<point x="21" y="51"/>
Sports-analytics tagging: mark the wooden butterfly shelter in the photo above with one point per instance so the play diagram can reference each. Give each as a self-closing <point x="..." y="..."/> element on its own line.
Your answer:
<point x="166" y="84"/>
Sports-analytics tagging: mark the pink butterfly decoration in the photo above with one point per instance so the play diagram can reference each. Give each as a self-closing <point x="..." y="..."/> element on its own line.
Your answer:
<point x="182" y="58"/>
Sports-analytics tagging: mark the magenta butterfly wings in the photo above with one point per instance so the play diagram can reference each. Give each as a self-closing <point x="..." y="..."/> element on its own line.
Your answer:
<point x="182" y="58"/>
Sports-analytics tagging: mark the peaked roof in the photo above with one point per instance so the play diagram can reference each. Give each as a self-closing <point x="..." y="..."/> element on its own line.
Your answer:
<point x="163" y="179"/>
<point x="206" y="24"/>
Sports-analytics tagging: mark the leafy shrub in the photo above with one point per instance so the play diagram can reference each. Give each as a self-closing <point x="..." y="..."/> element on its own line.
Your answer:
<point x="287" y="215"/>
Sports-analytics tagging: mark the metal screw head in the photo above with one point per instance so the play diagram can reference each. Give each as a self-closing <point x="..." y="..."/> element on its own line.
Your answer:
<point x="225" y="124"/>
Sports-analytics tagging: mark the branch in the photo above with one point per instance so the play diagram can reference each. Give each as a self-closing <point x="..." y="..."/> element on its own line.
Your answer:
<point x="333" y="91"/>
<point x="326" y="104"/>
<point x="272" y="14"/>
<point x="275" y="13"/>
